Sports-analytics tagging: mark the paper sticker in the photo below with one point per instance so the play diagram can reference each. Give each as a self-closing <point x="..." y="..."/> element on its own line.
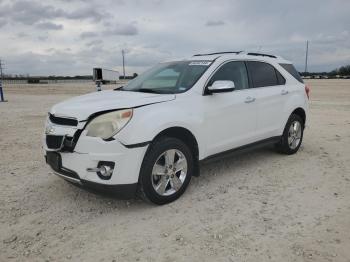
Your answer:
<point x="200" y="63"/>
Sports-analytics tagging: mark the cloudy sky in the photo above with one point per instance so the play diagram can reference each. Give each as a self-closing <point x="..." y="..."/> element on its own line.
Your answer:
<point x="64" y="37"/>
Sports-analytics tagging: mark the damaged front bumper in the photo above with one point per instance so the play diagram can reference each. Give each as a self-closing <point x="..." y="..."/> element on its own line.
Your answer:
<point x="73" y="156"/>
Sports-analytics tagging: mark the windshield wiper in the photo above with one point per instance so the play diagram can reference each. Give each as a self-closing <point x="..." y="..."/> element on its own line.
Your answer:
<point x="120" y="88"/>
<point x="146" y="90"/>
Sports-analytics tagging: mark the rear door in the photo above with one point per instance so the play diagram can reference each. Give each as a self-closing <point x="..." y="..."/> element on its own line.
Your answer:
<point x="230" y="117"/>
<point x="270" y="92"/>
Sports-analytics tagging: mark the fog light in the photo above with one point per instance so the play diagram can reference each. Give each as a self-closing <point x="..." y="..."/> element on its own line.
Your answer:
<point x="104" y="169"/>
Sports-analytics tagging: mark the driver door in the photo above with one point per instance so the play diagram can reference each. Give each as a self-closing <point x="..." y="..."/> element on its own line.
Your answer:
<point x="230" y="117"/>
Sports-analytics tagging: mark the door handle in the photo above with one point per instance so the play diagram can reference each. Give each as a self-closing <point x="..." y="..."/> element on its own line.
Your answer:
<point x="249" y="99"/>
<point x="284" y="92"/>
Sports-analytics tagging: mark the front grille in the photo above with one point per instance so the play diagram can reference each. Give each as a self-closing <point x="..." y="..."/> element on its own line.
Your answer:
<point x="63" y="121"/>
<point x="54" y="142"/>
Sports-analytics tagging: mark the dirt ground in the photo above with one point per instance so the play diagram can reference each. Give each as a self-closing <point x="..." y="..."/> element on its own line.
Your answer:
<point x="259" y="206"/>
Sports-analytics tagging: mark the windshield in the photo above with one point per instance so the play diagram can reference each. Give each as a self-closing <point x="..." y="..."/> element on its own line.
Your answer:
<point x="169" y="78"/>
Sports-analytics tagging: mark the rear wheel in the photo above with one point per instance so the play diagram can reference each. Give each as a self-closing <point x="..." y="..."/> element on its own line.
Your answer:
<point x="166" y="171"/>
<point x="292" y="135"/>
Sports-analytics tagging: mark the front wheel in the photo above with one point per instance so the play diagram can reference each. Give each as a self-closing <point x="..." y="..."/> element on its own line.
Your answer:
<point x="292" y="135"/>
<point x="166" y="171"/>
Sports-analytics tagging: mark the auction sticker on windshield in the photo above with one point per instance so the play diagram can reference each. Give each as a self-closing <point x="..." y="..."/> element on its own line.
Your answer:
<point x="203" y="63"/>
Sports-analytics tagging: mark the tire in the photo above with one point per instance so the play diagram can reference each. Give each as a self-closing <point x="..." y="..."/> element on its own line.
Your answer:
<point x="285" y="146"/>
<point x="158" y="161"/>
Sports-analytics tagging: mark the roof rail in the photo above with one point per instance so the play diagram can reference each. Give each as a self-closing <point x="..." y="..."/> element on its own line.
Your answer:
<point x="219" y="53"/>
<point x="261" y="54"/>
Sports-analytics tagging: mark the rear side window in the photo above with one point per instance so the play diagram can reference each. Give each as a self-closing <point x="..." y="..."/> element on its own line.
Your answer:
<point x="264" y="74"/>
<point x="233" y="71"/>
<point x="291" y="70"/>
<point x="281" y="80"/>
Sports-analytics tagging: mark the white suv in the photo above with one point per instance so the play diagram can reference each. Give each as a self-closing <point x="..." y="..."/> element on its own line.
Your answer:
<point x="149" y="136"/>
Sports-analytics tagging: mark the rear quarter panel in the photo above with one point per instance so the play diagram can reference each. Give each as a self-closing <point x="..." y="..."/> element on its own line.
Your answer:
<point x="297" y="99"/>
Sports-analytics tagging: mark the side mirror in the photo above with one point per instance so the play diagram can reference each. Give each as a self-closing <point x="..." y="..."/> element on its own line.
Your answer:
<point x="221" y="86"/>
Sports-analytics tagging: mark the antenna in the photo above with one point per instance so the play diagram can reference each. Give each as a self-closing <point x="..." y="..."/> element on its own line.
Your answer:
<point x="306" y="55"/>
<point x="2" y="99"/>
<point x="123" y="54"/>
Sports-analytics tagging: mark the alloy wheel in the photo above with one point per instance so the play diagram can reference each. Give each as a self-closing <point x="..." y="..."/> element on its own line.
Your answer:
<point x="294" y="135"/>
<point x="169" y="172"/>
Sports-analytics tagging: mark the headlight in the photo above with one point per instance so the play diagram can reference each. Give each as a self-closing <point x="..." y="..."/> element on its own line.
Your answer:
<point x="107" y="125"/>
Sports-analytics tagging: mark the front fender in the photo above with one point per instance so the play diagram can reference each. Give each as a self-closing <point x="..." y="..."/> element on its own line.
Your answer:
<point x="148" y="121"/>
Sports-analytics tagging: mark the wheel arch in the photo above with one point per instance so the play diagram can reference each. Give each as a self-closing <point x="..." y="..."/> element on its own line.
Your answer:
<point x="300" y="112"/>
<point x="185" y="136"/>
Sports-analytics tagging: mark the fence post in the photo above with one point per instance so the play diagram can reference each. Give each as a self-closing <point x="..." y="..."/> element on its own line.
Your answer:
<point x="2" y="99"/>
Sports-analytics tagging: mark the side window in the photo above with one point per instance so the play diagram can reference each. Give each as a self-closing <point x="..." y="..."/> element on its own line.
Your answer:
<point x="233" y="71"/>
<point x="262" y="74"/>
<point x="291" y="70"/>
<point x="281" y="80"/>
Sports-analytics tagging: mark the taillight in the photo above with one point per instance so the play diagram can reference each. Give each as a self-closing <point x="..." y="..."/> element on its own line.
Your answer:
<point x="307" y="91"/>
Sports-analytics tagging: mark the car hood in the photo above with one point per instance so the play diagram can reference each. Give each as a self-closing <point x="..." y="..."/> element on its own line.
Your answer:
<point x="81" y="107"/>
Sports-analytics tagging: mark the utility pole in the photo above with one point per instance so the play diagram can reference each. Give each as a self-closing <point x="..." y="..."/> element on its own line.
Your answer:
<point x="2" y="99"/>
<point x="123" y="54"/>
<point x="306" y="55"/>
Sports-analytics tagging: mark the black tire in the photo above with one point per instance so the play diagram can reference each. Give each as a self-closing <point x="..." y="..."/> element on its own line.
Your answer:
<point x="146" y="190"/>
<point x="283" y="146"/>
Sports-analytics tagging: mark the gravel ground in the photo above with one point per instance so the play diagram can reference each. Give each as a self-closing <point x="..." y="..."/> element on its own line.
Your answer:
<point x="258" y="206"/>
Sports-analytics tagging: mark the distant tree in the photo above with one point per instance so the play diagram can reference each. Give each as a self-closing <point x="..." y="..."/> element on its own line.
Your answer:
<point x="333" y="72"/>
<point x="344" y="70"/>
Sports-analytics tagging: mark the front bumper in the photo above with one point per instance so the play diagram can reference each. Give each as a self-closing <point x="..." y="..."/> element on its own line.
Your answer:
<point x="88" y="153"/>
<point x="121" y="191"/>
